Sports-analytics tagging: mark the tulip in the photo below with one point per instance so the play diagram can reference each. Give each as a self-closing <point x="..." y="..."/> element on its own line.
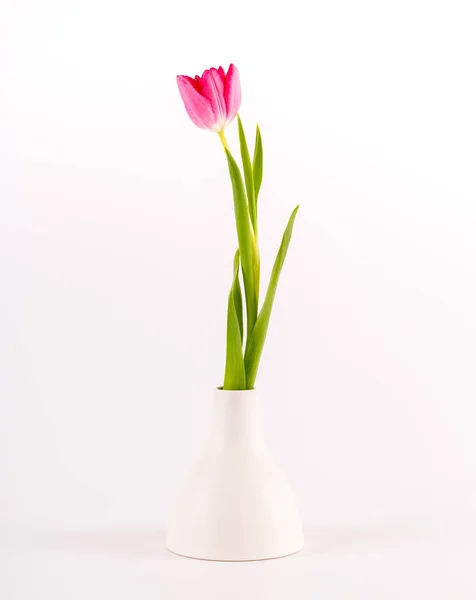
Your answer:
<point x="212" y="100"/>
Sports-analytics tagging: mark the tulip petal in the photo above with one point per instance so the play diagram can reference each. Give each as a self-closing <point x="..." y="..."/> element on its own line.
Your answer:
<point x="212" y="87"/>
<point x="197" y="106"/>
<point x="221" y="72"/>
<point x="232" y="93"/>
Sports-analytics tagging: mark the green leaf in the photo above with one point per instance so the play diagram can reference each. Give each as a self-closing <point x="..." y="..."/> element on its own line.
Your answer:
<point x="257" y="166"/>
<point x="256" y="341"/>
<point x="245" y="240"/>
<point x="248" y="171"/>
<point x="236" y="288"/>
<point x="235" y="376"/>
<point x="250" y="192"/>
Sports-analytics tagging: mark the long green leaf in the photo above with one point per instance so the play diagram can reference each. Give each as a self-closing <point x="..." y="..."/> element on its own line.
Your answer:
<point x="235" y="376"/>
<point x="250" y="192"/>
<point x="257" y="167"/>
<point x="236" y="288"/>
<point x="245" y="240"/>
<point x="255" y="343"/>
<point x="248" y="172"/>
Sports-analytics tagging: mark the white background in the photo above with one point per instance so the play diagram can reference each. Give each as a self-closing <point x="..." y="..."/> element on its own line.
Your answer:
<point x="116" y="246"/>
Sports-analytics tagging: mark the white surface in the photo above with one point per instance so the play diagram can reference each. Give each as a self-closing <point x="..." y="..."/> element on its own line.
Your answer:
<point x="372" y="561"/>
<point x="236" y="503"/>
<point x="116" y="248"/>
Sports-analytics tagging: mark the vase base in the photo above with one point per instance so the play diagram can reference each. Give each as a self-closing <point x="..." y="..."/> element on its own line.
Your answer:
<point x="209" y="559"/>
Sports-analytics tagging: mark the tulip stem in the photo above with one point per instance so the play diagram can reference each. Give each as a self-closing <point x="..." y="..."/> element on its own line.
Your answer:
<point x="221" y="134"/>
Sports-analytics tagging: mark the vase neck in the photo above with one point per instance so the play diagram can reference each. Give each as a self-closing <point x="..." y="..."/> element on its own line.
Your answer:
<point x="236" y="417"/>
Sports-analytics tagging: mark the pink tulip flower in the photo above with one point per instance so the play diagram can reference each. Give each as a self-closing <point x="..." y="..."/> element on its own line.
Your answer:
<point x="213" y="99"/>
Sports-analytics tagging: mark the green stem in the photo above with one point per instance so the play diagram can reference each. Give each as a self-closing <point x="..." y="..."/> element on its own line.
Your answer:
<point x="221" y="135"/>
<point x="256" y="264"/>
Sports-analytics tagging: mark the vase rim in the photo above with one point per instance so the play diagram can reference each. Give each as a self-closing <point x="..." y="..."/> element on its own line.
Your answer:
<point x="220" y="389"/>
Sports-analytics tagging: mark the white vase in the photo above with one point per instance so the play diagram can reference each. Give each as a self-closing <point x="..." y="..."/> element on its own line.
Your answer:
<point x="236" y="504"/>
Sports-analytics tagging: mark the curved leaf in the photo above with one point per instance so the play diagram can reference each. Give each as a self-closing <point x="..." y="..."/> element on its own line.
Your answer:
<point x="248" y="172"/>
<point x="236" y="289"/>
<point x="255" y="343"/>
<point x="245" y="240"/>
<point x="235" y="376"/>
<point x="250" y="192"/>
<point x="257" y="167"/>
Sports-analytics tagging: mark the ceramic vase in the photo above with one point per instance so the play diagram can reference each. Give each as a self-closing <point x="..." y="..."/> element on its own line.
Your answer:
<point x="236" y="504"/>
